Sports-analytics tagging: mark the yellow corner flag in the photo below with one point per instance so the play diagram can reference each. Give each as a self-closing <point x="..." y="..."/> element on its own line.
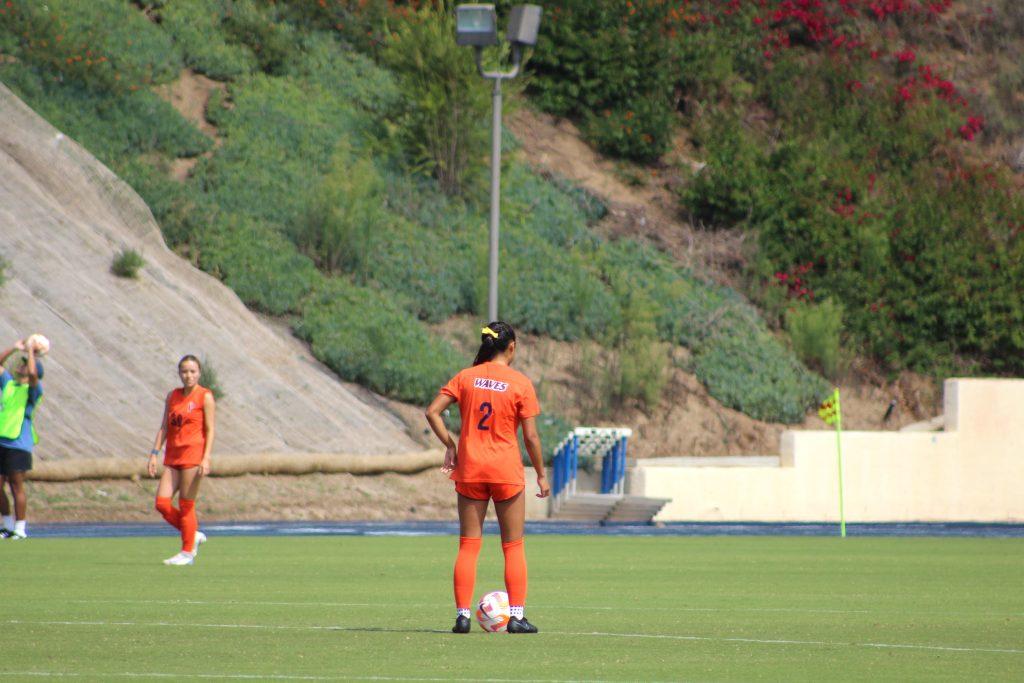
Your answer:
<point x="829" y="410"/>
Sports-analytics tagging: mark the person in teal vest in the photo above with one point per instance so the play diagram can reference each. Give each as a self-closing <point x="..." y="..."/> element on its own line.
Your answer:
<point x="19" y="397"/>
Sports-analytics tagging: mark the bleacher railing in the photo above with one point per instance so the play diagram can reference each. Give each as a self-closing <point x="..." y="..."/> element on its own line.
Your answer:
<point x="608" y="443"/>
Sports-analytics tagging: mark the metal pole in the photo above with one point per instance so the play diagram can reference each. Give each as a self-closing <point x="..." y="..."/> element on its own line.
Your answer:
<point x="492" y="291"/>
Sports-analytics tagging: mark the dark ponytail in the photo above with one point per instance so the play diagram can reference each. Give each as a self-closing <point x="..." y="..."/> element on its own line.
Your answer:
<point x="494" y="339"/>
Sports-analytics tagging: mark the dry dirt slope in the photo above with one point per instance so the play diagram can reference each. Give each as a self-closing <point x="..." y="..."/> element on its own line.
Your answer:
<point x="63" y="217"/>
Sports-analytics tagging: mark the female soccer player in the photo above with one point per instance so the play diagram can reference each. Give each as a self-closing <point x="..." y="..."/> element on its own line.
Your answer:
<point x="494" y="400"/>
<point x="188" y="427"/>
<point x="21" y="394"/>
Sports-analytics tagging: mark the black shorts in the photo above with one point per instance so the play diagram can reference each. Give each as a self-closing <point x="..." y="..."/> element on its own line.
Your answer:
<point x="14" y="460"/>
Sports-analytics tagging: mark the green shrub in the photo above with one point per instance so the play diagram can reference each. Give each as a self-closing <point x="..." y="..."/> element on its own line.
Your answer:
<point x="103" y="45"/>
<point x="361" y="23"/>
<point x="110" y="125"/>
<point x="734" y="354"/>
<point x="613" y="56"/>
<point x="197" y="27"/>
<point x="726" y="190"/>
<point x="319" y="59"/>
<point x="638" y="369"/>
<point x="279" y="139"/>
<point x="814" y="331"/>
<point x="342" y="226"/>
<point x="258" y="25"/>
<point x="754" y="377"/>
<point x="262" y="266"/>
<point x="210" y="379"/>
<point x="586" y="202"/>
<point x="640" y="130"/>
<point x="361" y="334"/>
<point x="4" y="263"/>
<point x="443" y="121"/>
<point x="127" y="264"/>
<point x="173" y="205"/>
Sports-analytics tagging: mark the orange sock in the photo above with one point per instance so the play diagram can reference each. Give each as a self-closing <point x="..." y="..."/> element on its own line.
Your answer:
<point x="166" y="508"/>
<point x="189" y="524"/>
<point x="465" y="571"/>
<point x="515" y="572"/>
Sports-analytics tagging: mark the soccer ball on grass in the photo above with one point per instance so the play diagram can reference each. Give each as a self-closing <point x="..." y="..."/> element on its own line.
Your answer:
<point x="492" y="613"/>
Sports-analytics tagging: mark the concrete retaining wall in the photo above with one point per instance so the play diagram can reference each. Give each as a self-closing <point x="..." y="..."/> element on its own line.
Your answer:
<point x="972" y="471"/>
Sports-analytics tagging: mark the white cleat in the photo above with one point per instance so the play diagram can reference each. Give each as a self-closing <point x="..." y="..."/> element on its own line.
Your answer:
<point x="200" y="539"/>
<point x="181" y="559"/>
<point x="15" y="536"/>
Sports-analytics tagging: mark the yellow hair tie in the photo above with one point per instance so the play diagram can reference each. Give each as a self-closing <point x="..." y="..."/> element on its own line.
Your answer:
<point x="489" y="331"/>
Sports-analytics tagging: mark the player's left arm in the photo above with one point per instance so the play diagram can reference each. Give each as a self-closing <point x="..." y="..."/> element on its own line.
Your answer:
<point x="440" y="404"/>
<point x="209" y="431"/>
<point x="33" y="372"/>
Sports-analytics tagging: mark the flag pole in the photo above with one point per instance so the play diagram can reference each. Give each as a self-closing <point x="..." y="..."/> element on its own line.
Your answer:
<point x="839" y="453"/>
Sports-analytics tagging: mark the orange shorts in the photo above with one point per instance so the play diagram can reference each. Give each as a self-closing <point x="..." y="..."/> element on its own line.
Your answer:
<point x="480" y="490"/>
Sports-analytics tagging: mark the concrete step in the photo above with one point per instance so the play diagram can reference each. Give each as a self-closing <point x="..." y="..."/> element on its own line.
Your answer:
<point x="587" y="507"/>
<point x="636" y="509"/>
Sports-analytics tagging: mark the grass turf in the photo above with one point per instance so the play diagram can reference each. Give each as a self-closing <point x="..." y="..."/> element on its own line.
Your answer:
<point x="608" y="608"/>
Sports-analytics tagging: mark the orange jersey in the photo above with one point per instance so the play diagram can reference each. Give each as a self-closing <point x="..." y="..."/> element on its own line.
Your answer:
<point x="186" y="433"/>
<point x="493" y="399"/>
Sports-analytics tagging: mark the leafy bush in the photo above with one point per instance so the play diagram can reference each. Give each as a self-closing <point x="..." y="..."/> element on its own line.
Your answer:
<point x="197" y="28"/>
<point x="258" y="263"/>
<point x="319" y="59"/>
<point x="346" y="215"/>
<point x="103" y="45"/>
<point x="210" y="379"/>
<point x="861" y="188"/>
<point x="442" y="122"/>
<point x="734" y="354"/>
<point x="586" y="202"/>
<point x="365" y="337"/>
<point x="814" y="331"/>
<point x="127" y="264"/>
<point x="260" y="27"/>
<point x="639" y="361"/>
<point x="640" y="130"/>
<point x="614" y="57"/>
<point x="111" y="126"/>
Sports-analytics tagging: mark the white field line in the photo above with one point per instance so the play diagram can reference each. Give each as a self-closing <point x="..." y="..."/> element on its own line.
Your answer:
<point x="598" y="634"/>
<point x="284" y="677"/>
<point x="584" y="608"/>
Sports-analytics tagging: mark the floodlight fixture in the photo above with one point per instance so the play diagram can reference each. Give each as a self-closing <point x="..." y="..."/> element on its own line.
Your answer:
<point x="476" y="25"/>
<point x="523" y="25"/>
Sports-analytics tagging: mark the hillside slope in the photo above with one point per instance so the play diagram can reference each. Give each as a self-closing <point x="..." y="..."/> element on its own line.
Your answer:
<point x="63" y="217"/>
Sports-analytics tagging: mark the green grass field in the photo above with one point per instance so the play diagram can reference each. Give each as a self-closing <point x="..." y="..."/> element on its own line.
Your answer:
<point x="609" y="608"/>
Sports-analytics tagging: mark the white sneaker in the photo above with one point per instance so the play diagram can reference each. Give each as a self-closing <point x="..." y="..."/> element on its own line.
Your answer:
<point x="15" y="536"/>
<point x="181" y="558"/>
<point x="200" y="539"/>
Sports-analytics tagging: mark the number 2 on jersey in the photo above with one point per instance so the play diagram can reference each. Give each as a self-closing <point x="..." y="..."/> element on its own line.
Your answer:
<point x="487" y="411"/>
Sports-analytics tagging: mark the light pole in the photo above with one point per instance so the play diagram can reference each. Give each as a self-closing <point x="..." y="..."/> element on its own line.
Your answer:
<point x="477" y="25"/>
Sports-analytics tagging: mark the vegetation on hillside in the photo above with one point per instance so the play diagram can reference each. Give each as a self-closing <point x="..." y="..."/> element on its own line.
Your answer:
<point x="837" y="133"/>
<point x="330" y="202"/>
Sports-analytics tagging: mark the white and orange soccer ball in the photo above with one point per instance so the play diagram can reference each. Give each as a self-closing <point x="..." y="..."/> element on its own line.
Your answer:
<point x="39" y="343"/>
<point x="493" y="613"/>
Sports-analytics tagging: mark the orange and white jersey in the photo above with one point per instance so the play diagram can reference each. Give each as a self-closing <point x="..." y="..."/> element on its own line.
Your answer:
<point x="186" y="427"/>
<point x="493" y="400"/>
